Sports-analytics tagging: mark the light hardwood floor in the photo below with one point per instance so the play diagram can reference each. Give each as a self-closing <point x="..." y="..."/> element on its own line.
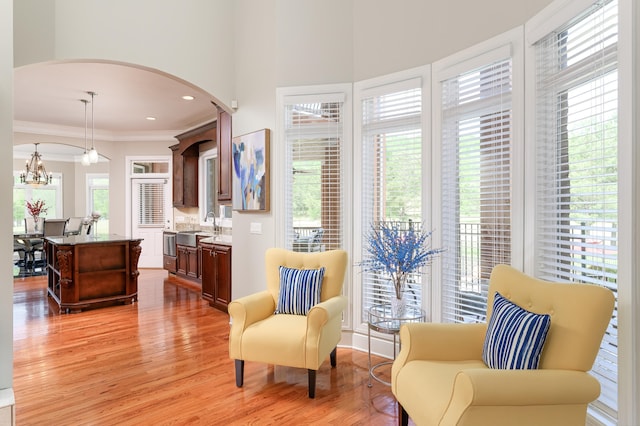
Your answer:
<point x="164" y="360"/>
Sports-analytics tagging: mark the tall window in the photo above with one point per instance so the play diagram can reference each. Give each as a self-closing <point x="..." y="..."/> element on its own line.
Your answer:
<point x="98" y="199"/>
<point x="577" y="180"/>
<point x="51" y="194"/>
<point x="314" y="177"/>
<point x="208" y="196"/>
<point x="476" y="185"/>
<point x="392" y="174"/>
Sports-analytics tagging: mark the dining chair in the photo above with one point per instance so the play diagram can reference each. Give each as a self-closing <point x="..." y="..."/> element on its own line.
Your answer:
<point x="50" y="228"/>
<point x="54" y="227"/>
<point x="32" y="245"/>
<point x="74" y="226"/>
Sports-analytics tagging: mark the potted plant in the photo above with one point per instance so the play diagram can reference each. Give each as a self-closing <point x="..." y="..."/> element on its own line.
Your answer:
<point x="398" y="253"/>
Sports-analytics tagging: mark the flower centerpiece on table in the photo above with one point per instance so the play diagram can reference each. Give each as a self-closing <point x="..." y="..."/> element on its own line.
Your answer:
<point x="398" y="253"/>
<point x="36" y="208"/>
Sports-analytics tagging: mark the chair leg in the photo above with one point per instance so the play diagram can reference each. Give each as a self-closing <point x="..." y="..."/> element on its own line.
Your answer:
<point x="312" y="383"/>
<point x="332" y="356"/>
<point x="239" y="372"/>
<point x="403" y="416"/>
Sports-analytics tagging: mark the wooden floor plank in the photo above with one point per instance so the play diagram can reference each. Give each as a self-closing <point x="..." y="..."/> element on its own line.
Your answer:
<point x="164" y="360"/>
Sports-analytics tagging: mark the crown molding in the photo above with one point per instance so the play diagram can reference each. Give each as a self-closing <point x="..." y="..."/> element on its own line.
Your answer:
<point x="78" y="133"/>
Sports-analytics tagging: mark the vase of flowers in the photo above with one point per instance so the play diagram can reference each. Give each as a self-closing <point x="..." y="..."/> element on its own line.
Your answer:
<point x="398" y="249"/>
<point x="35" y="209"/>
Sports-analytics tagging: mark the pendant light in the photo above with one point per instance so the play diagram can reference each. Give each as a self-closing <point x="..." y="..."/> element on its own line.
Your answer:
<point x="85" y="157"/>
<point x="93" y="153"/>
<point x="34" y="172"/>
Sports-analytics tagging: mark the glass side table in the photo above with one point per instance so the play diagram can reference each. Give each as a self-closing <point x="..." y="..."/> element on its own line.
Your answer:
<point x="381" y="320"/>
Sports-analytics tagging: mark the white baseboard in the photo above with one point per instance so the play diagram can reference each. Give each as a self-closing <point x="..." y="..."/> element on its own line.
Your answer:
<point x="7" y="407"/>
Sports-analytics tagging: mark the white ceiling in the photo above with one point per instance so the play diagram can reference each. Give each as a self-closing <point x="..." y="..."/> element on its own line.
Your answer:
<point x="49" y="95"/>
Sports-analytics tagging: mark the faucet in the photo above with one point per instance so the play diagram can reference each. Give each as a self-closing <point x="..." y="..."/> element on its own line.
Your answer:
<point x="212" y="215"/>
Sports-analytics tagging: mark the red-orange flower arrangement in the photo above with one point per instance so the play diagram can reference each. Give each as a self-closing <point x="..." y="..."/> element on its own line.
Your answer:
<point x="36" y="208"/>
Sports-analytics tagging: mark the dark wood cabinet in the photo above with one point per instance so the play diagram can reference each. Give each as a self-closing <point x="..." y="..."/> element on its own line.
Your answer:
<point x="188" y="263"/>
<point x="225" y="159"/>
<point x="185" y="163"/>
<point x="170" y="263"/>
<point x="185" y="176"/>
<point x="216" y="275"/>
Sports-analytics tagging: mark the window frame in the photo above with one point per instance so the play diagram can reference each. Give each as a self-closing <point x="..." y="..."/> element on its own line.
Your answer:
<point x="546" y="21"/>
<point x="362" y="90"/>
<point x="279" y="157"/>
<point x="509" y="43"/>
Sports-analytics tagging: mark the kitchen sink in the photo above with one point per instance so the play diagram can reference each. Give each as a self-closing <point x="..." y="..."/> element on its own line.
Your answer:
<point x="189" y="238"/>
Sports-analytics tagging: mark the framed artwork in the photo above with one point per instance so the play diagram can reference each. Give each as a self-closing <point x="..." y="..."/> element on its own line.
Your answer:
<point x="251" y="171"/>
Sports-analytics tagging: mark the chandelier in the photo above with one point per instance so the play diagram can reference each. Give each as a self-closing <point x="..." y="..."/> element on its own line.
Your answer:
<point x="34" y="172"/>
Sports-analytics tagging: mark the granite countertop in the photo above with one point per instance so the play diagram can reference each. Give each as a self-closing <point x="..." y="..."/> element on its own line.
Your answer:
<point x="218" y="239"/>
<point x="89" y="239"/>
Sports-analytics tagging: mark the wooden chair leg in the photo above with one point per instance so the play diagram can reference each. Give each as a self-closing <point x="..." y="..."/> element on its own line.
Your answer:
<point x="332" y="356"/>
<point x="403" y="416"/>
<point x="239" y="372"/>
<point x="312" y="383"/>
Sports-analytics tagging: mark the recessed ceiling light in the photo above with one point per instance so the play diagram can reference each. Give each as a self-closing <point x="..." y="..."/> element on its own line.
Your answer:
<point x="188" y="98"/>
<point x="151" y="118"/>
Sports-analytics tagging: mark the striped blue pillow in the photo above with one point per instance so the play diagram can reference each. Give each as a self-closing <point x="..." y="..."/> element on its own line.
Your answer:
<point x="299" y="290"/>
<point x="515" y="337"/>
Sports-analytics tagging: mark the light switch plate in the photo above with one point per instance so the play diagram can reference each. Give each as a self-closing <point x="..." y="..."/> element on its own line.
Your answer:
<point x="255" y="228"/>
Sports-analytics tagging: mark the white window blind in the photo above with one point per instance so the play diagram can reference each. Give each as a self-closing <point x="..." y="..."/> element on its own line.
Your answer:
<point x="314" y="174"/>
<point x="476" y="186"/>
<point x="391" y="175"/>
<point x="151" y="207"/>
<point x="576" y="134"/>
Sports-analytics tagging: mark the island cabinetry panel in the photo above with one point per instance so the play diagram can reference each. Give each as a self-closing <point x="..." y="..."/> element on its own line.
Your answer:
<point x="85" y="271"/>
<point x="216" y="275"/>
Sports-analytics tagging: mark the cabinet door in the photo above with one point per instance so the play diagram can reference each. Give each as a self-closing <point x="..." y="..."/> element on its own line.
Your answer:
<point x="208" y="266"/>
<point x="182" y="260"/>
<point x="224" y="155"/>
<point x="192" y="261"/>
<point x="223" y="277"/>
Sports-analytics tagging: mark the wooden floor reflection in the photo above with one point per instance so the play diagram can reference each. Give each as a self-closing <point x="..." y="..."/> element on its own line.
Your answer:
<point x="164" y="360"/>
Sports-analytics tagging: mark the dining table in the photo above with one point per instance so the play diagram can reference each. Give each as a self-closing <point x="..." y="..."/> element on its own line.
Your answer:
<point x="30" y="241"/>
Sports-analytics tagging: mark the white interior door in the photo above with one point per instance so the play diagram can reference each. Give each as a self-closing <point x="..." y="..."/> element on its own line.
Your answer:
<point x="151" y="205"/>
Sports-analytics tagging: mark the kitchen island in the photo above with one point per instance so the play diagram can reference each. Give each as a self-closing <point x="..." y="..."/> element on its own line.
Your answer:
<point x="92" y="271"/>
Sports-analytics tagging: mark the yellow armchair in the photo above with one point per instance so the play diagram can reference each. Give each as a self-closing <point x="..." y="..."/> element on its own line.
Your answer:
<point x="301" y="341"/>
<point x="440" y="378"/>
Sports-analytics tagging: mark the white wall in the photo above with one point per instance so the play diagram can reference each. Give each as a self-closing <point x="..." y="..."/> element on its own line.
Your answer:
<point x="6" y="151"/>
<point x="189" y="39"/>
<point x="394" y="36"/>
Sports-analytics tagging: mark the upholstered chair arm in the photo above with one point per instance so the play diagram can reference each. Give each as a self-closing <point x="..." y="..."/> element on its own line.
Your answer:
<point x="324" y="327"/>
<point x="244" y="312"/>
<point x="489" y="387"/>
<point x="321" y="313"/>
<point x="441" y="342"/>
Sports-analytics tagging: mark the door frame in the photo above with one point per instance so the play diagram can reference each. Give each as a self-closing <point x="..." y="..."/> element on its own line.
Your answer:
<point x="129" y="160"/>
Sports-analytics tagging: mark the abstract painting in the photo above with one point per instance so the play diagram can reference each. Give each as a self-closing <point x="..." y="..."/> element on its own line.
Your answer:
<point x="251" y="171"/>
